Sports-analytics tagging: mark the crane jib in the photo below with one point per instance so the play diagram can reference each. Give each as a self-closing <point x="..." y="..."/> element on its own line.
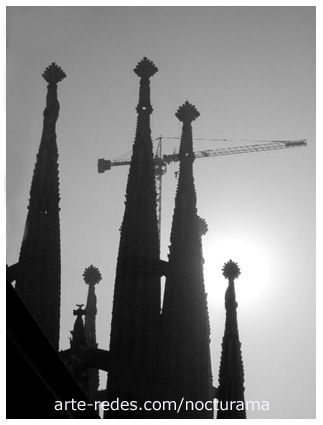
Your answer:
<point x="104" y="165"/>
<point x="161" y="161"/>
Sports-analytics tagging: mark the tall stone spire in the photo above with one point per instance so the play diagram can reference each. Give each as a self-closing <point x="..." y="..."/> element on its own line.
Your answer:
<point x="92" y="277"/>
<point x="39" y="276"/>
<point x="185" y="360"/>
<point x="136" y="303"/>
<point x="231" y="375"/>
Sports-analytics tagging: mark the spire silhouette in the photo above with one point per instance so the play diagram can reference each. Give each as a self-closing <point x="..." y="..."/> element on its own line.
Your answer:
<point x="185" y="360"/>
<point x="92" y="277"/>
<point x="231" y="375"/>
<point x="39" y="272"/>
<point x="136" y="303"/>
<point x="78" y="334"/>
<point x="78" y="342"/>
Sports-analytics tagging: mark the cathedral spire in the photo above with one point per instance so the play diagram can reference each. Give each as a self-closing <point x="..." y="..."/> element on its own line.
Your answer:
<point x="92" y="277"/>
<point x="231" y="375"/>
<point x="39" y="276"/>
<point x="141" y="174"/>
<point x="145" y="69"/>
<point x="136" y="303"/>
<point x="185" y="359"/>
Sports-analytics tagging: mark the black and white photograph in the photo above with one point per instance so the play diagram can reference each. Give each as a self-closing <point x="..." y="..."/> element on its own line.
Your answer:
<point x="160" y="211"/>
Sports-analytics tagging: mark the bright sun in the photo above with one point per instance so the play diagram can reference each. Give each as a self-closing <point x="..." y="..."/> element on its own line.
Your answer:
<point x="254" y="264"/>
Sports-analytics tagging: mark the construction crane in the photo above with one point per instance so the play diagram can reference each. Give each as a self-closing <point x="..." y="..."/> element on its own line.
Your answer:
<point x="161" y="161"/>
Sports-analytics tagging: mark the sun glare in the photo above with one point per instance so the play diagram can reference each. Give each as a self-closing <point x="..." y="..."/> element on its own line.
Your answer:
<point x="254" y="264"/>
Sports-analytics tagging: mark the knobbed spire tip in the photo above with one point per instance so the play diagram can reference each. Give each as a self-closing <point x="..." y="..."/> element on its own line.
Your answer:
<point x="53" y="74"/>
<point x="231" y="270"/>
<point x="187" y="112"/>
<point x="145" y="68"/>
<point x="92" y="275"/>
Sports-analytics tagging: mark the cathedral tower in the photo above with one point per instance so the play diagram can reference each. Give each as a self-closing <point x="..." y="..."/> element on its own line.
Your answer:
<point x="185" y="358"/>
<point x="39" y="272"/>
<point x="231" y="375"/>
<point x="136" y="303"/>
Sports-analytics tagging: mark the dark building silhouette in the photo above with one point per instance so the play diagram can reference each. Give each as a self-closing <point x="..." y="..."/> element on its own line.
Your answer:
<point x="136" y="303"/>
<point x="38" y="280"/>
<point x="231" y="375"/>
<point x="37" y="367"/>
<point x="84" y="359"/>
<point x="186" y="365"/>
<point x="153" y="355"/>
<point x="33" y="307"/>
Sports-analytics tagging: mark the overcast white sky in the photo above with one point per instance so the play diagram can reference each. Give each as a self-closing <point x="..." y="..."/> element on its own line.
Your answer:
<point x="250" y="72"/>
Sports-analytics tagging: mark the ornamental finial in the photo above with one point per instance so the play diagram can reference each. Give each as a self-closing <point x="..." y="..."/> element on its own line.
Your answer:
<point x="187" y="112"/>
<point x="145" y="68"/>
<point x="80" y="311"/>
<point x="231" y="270"/>
<point x="53" y="74"/>
<point x="92" y="275"/>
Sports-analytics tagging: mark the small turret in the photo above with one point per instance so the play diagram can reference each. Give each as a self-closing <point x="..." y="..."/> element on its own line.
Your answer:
<point x="231" y="375"/>
<point x="92" y="277"/>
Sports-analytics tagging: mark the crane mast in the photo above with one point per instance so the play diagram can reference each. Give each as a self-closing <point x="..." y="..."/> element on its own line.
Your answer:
<point x="161" y="161"/>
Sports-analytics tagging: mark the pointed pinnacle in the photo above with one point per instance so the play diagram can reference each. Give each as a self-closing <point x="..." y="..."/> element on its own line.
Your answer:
<point x="187" y="112"/>
<point x="145" y="68"/>
<point x="53" y="74"/>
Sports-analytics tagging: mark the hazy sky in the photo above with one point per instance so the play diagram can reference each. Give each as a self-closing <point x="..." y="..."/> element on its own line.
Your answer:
<point x="250" y="72"/>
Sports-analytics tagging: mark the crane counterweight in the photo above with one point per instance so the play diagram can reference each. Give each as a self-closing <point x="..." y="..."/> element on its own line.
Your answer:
<point x="103" y="165"/>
